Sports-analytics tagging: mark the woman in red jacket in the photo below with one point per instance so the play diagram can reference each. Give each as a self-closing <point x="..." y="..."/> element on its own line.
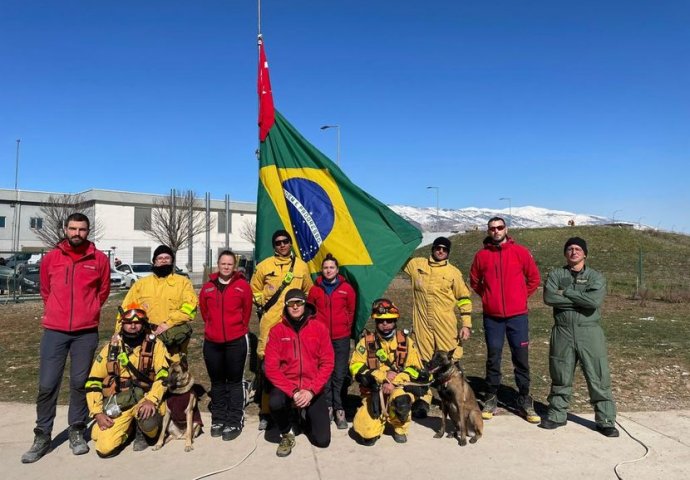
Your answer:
<point x="335" y="301"/>
<point x="226" y="305"/>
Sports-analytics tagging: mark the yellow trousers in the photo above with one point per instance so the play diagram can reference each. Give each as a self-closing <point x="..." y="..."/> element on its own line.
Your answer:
<point x="109" y="440"/>
<point x="368" y="426"/>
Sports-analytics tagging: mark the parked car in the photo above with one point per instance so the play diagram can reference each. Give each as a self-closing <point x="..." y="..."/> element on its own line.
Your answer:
<point x="23" y="257"/>
<point x="131" y="272"/>
<point x="15" y="279"/>
<point x="117" y="280"/>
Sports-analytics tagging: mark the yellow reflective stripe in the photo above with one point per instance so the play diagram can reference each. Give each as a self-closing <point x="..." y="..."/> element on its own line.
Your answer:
<point x="355" y="367"/>
<point x="189" y="309"/>
<point x="413" y="373"/>
<point x="464" y="301"/>
<point x="162" y="373"/>
<point x="94" y="384"/>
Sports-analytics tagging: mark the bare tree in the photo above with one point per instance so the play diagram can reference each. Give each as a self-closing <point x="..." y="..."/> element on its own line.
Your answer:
<point x="55" y="212"/>
<point x="176" y="219"/>
<point x="248" y="231"/>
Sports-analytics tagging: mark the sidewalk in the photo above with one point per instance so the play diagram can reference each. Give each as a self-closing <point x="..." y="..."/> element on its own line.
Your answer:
<point x="510" y="448"/>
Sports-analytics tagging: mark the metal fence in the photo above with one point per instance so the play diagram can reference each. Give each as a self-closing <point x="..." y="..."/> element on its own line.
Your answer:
<point x="19" y="275"/>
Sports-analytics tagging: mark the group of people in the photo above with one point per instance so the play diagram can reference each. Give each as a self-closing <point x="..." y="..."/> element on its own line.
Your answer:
<point x="304" y="341"/>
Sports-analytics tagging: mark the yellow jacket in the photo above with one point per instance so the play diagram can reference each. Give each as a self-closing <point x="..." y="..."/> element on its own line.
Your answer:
<point x="411" y="368"/>
<point x="267" y="278"/>
<point x="170" y="300"/>
<point x="94" y="384"/>
<point x="437" y="288"/>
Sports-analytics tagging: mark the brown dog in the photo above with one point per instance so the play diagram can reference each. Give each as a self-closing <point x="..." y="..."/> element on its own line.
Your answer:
<point x="457" y="398"/>
<point x="182" y="417"/>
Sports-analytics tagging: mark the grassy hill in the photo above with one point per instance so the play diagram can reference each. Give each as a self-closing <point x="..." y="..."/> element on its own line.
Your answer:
<point x="614" y="251"/>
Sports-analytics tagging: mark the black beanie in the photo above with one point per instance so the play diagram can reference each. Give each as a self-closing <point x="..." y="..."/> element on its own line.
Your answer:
<point x="280" y="233"/>
<point x="163" y="249"/>
<point x="443" y="241"/>
<point x="580" y="242"/>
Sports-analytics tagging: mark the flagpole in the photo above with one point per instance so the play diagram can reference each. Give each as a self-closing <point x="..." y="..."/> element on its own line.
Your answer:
<point x="258" y="5"/>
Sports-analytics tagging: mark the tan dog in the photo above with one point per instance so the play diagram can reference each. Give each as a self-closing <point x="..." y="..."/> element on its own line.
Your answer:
<point x="182" y="417"/>
<point x="457" y="398"/>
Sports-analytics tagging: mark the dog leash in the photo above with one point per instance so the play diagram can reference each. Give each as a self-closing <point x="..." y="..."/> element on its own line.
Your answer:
<point x="209" y="474"/>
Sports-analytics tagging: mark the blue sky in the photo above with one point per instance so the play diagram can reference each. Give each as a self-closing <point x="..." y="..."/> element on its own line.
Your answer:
<point x="580" y="106"/>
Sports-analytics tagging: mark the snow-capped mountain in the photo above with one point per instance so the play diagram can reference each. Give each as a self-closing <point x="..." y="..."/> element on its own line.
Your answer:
<point x="473" y="218"/>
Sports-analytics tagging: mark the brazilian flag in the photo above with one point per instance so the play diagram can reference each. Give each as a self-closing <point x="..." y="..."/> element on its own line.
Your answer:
<point x="305" y="193"/>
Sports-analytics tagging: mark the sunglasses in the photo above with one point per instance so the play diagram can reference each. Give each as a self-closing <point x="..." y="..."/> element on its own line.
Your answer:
<point x="278" y="243"/>
<point x="440" y="247"/>
<point x="385" y="320"/>
<point x="295" y="303"/>
<point x="498" y="228"/>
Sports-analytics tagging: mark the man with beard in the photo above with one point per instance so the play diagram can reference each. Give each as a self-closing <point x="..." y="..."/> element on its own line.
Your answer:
<point x="169" y="300"/>
<point x="126" y="385"/>
<point x="504" y="274"/>
<point x="75" y="283"/>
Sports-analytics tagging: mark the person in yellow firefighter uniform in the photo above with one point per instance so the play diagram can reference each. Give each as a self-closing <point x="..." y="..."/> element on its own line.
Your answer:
<point x="383" y="362"/>
<point x="273" y="277"/>
<point x="437" y="289"/>
<point x="125" y="387"/>
<point x="169" y="300"/>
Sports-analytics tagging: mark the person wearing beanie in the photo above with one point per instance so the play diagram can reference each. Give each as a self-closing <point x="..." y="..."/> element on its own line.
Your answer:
<point x="273" y="277"/>
<point x="169" y="300"/>
<point x="298" y="362"/>
<point x="437" y="289"/>
<point x="505" y="275"/>
<point x="576" y="293"/>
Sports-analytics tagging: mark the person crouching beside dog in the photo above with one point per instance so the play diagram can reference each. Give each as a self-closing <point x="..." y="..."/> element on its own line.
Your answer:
<point x="299" y="360"/>
<point x="125" y="387"/>
<point x="383" y="362"/>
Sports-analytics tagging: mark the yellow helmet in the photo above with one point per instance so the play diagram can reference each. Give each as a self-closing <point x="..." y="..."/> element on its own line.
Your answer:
<point x="384" y="308"/>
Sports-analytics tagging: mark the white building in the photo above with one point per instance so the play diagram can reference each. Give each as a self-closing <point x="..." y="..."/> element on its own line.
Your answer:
<point x="121" y="216"/>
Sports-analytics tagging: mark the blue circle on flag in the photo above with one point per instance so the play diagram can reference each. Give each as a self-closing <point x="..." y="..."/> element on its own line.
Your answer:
<point x="311" y="213"/>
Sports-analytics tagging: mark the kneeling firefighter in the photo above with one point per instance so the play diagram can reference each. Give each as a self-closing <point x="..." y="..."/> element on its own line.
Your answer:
<point x="384" y="363"/>
<point x="126" y="385"/>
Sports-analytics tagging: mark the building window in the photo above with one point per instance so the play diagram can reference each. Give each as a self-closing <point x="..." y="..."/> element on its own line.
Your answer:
<point x="141" y="255"/>
<point x="2" y="222"/>
<point x="142" y="218"/>
<point x="36" y="223"/>
<point x="221" y="222"/>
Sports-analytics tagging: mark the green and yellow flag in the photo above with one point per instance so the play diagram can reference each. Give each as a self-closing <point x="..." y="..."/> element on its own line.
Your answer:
<point x="305" y="193"/>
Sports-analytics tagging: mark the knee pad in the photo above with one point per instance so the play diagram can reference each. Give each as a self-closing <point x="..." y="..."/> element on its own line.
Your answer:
<point x="150" y="424"/>
<point x="402" y="406"/>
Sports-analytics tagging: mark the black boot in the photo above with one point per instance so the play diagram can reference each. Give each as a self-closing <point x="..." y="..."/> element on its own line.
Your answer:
<point x="39" y="448"/>
<point x="139" y="442"/>
<point x="76" y="439"/>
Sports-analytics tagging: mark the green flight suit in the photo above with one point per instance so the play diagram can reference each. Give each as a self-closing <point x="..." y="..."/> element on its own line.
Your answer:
<point x="577" y="336"/>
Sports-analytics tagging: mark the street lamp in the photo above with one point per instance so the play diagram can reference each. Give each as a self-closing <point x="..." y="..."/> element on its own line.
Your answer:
<point x="510" y="209"/>
<point x="337" y="127"/>
<point x="15" y="220"/>
<point x="437" y="190"/>
<point x="613" y="217"/>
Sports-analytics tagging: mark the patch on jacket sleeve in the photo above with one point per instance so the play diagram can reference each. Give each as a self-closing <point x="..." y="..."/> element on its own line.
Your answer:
<point x="361" y="349"/>
<point x="99" y="358"/>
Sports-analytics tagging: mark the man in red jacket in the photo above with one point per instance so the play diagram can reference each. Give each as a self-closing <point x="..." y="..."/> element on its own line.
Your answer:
<point x="504" y="274"/>
<point x="299" y="361"/>
<point x="75" y="283"/>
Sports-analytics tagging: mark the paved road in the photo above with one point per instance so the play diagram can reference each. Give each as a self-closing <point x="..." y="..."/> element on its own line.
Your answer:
<point x="511" y="448"/>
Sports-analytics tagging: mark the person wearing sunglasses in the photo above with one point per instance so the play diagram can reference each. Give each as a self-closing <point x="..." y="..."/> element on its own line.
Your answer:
<point x="124" y="390"/>
<point x="437" y="289"/>
<point x="272" y="278"/>
<point x="576" y="293"/>
<point x="298" y="362"/>
<point x="225" y="302"/>
<point x="505" y="275"/>
<point x="383" y="362"/>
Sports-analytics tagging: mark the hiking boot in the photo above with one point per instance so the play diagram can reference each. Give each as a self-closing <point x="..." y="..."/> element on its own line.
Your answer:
<point x="420" y="409"/>
<point x="231" y="433"/>
<point x="490" y="406"/>
<point x="76" y="439"/>
<point x="399" y="437"/>
<point x="139" y="444"/>
<point x="287" y="443"/>
<point x="264" y="422"/>
<point x="368" y="442"/>
<point x="608" y="431"/>
<point x="526" y="408"/>
<point x="340" y="420"/>
<point x="550" y="424"/>
<point x="39" y="448"/>
<point x="217" y="429"/>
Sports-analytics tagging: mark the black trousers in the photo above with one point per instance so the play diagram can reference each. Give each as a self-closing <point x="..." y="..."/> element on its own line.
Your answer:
<point x="225" y="365"/>
<point x="55" y="346"/>
<point x="516" y="329"/>
<point x="317" y="425"/>
<point x="333" y="391"/>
